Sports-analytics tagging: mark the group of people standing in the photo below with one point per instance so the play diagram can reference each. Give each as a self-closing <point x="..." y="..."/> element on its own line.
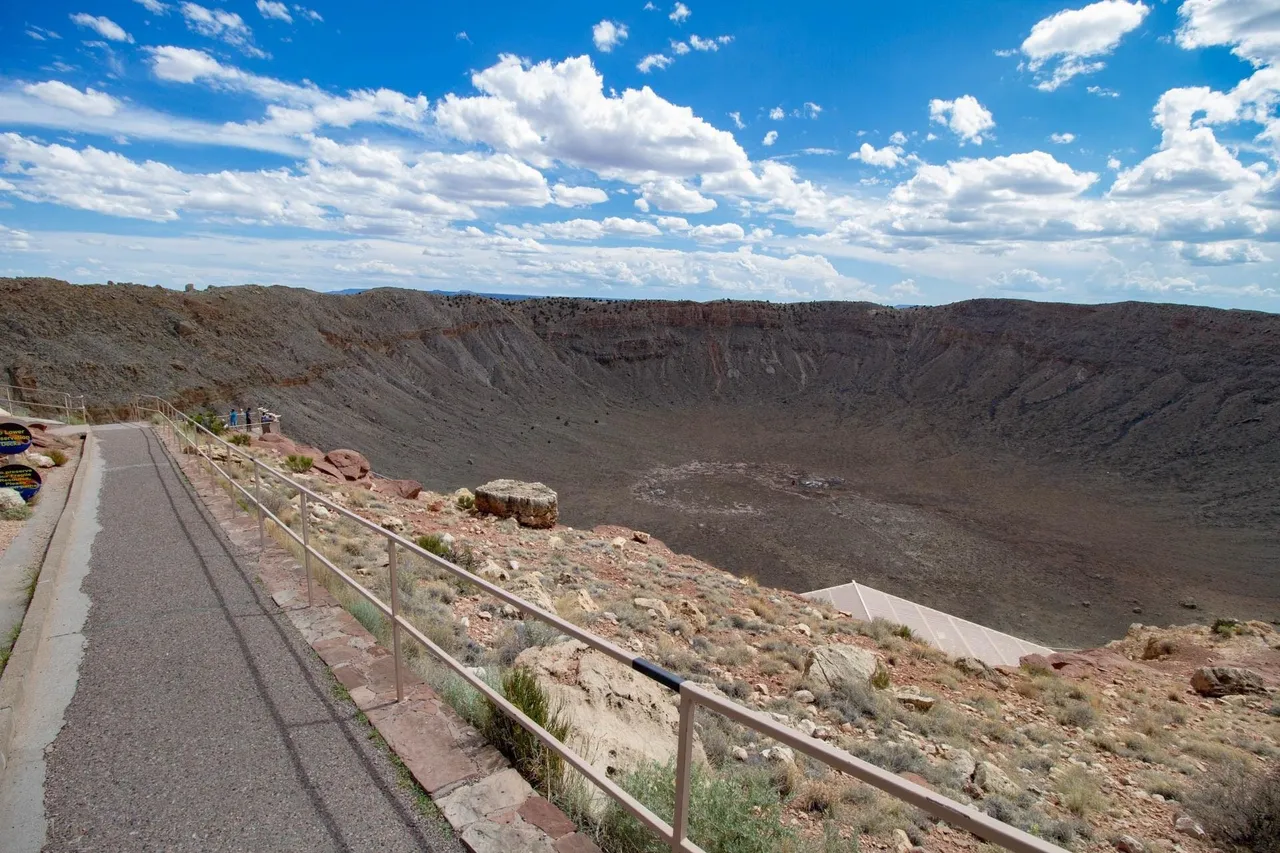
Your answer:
<point x="265" y="418"/>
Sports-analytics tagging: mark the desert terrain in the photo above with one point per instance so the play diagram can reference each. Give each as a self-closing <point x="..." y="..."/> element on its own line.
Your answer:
<point x="1054" y="471"/>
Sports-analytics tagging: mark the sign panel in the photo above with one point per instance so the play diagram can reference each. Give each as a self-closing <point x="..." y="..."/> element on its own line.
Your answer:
<point x="14" y="438"/>
<point x="21" y="478"/>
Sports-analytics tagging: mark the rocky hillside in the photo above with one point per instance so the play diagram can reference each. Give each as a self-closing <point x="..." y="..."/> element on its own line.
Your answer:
<point x="1116" y="457"/>
<point x="1157" y="743"/>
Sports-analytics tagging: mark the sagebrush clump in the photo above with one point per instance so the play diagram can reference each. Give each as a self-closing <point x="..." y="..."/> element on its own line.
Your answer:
<point x="297" y="463"/>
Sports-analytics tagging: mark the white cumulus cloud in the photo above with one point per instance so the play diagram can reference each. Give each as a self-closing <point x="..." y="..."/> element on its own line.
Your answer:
<point x="103" y="26"/>
<point x="550" y="112"/>
<point x="674" y="196"/>
<point x="770" y="138"/>
<point x="155" y="7"/>
<point x="566" y="196"/>
<point x="652" y="61"/>
<point x="964" y="116"/>
<point x="227" y="27"/>
<point x="1068" y="43"/>
<point x="608" y="34"/>
<point x="90" y="102"/>
<point x="679" y="13"/>
<point x="273" y="9"/>
<point x="1062" y="138"/>
<point x="884" y="158"/>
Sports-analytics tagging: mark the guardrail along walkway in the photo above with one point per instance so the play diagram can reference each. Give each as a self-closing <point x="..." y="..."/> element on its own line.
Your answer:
<point x="202" y="720"/>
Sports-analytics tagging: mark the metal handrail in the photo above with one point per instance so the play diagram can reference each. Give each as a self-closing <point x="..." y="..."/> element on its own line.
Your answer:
<point x="691" y="694"/>
<point x="70" y="405"/>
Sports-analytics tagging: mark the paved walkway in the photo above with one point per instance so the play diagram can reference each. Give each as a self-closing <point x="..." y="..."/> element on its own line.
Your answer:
<point x="201" y="720"/>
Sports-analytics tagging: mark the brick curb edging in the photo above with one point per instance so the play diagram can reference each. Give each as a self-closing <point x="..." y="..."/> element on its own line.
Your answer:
<point x="491" y="807"/>
<point x="32" y="632"/>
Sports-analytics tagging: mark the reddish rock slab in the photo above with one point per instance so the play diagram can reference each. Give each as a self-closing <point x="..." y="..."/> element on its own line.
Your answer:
<point x="350" y="463"/>
<point x="424" y="741"/>
<point x="276" y="441"/>
<point x="537" y="811"/>
<point x="576" y="843"/>
<point x="407" y="489"/>
<point x="322" y="467"/>
<point x="337" y="651"/>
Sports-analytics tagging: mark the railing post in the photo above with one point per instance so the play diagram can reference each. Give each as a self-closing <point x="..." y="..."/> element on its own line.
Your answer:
<point x="257" y="498"/>
<point x="395" y="615"/>
<point x="306" y="550"/>
<point x="684" y="757"/>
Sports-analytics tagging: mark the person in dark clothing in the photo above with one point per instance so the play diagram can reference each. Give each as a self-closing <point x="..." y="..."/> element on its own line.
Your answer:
<point x="248" y="417"/>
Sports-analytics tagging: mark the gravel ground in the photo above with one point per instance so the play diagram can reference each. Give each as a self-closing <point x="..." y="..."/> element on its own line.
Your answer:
<point x="202" y="721"/>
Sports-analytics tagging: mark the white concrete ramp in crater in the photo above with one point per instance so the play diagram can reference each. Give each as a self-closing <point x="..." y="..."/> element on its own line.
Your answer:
<point x="955" y="636"/>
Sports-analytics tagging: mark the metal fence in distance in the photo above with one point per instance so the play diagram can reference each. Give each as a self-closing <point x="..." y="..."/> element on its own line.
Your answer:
<point x="38" y="403"/>
<point x="692" y="696"/>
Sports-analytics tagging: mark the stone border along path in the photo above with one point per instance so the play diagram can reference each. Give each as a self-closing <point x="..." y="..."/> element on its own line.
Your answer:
<point x="28" y="548"/>
<point x="493" y="809"/>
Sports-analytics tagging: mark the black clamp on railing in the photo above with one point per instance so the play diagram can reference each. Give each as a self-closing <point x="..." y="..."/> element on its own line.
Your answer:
<point x="669" y="680"/>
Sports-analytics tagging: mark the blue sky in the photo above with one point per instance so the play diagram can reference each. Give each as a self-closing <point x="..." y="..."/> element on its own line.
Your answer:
<point x="917" y="152"/>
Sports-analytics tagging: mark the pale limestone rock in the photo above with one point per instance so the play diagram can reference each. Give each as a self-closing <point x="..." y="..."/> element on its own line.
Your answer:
<point x="41" y="461"/>
<point x="913" y="698"/>
<point x="690" y="612"/>
<point x="529" y="587"/>
<point x="655" y="604"/>
<point x="992" y="780"/>
<point x="492" y="571"/>
<point x="531" y="504"/>
<point x="624" y="717"/>
<point x="830" y="666"/>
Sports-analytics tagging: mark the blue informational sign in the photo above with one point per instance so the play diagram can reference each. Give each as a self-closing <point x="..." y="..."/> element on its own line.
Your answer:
<point x="21" y="478"/>
<point x="14" y="438"/>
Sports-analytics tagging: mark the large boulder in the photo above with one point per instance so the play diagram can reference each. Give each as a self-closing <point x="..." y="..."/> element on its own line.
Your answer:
<point x="349" y="463"/>
<point x="992" y="780"/>
<point x="531" y="504"/>
<point x="1226" y="681"/>
<point x="407" y="489"/>
<point x="830" y="666"/>
<point x="620" y="718"/>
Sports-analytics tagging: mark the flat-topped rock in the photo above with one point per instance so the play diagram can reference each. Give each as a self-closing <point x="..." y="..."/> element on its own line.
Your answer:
<point x="531" y="504"/>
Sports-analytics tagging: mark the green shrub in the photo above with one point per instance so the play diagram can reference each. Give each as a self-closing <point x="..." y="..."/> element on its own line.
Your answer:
<point x="1240" y="810"/>
<point x="1226" y="627"/>
<point x="466" y="502"/>
<point x="15" y="513"/>
<point x="298" y="463"/>
<point x="1078" y="792"/>
<point x="433" y="543"/>
<point x="543" y="768"/>
<point x="1079" y="714"/>
<point x="730" y="813"/>
<point x="59" y="458"/>
<point x="240" y="439"/>
<point x="210" y="421"/>
<point x="854" y="702"/>
<point x="367" y="615"/>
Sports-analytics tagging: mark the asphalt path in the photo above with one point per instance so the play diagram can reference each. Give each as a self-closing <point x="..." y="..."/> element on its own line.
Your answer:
<point x="201" y="719"/>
